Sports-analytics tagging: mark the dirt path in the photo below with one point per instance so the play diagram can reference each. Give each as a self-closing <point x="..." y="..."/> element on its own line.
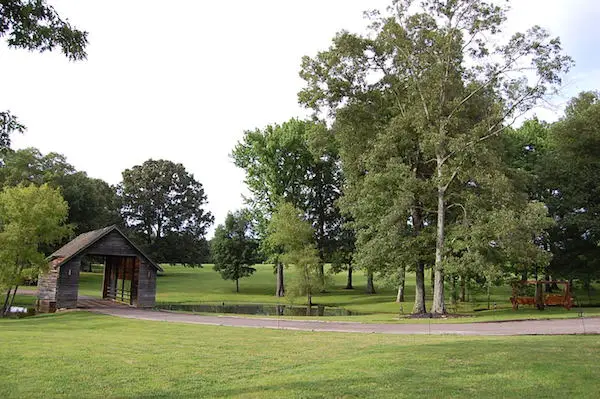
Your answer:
<point x="527" y="327"/>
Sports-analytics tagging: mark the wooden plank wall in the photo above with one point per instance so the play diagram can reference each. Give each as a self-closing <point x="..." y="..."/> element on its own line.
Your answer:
<point x="112" y="244"/>
<point x="68" y="284"/>
<point x="146" y="294"/>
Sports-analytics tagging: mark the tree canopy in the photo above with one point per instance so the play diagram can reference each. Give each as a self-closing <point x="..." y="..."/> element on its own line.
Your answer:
<point x="164" y="206"/>
<point x="30" y="217"/>
<point x="234" y="249"/>
<point x="570" y="186"/>
<point x="92" y="202"/>
<point x="289" y="230"/>
<point x="295" y="162"/>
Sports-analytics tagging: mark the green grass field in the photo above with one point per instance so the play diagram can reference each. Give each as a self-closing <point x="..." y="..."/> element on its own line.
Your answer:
<point x="82" y="355"/>
<point x="183" y="285"/>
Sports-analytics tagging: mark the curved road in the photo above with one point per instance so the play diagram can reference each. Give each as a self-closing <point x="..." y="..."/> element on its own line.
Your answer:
<point x="526" y="327"/>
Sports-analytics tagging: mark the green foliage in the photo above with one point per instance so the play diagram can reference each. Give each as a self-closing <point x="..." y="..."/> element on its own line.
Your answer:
<point x="8" y="124"/>
<point x="276" y="161"/>
<point x="571" y="189"/>
<point x="92" y="202"/>
<point x="418" y="104"/>
<point x="34" y="25"/>
<point x="163" y="205"/>
<point x="291" y="232"/>
<point x="30" y="217"/>
<point x="295" y="162"/>
<point x="234" y="249"/>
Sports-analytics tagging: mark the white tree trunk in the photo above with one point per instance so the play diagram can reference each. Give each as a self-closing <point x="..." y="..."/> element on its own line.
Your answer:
<point x="439" y="305"/>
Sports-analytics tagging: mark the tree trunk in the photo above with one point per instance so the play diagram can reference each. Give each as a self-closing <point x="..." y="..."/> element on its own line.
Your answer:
<point x="419" y="307"/>
<point x="321" y="220"/>
<point x="463" y="290"/>
<point x="280" y="287"/>
<point x="400" y="295"/>
<point x="370" y="286"/>
<point x="349" y="281"/>
<point x="439" y="304"/>
<point x="548" y="287"/>
<point x="321" y="272"/>
<point x="308" y="302"/>
<point x="12" y="300"/>
<point x="454" y="293"/>
<point x="5" y="305"/>
<point x="237" y="285"/>
<point x="539" y="296"/>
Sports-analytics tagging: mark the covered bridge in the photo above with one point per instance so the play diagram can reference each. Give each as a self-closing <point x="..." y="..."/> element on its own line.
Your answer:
<point x="129" y="274"/>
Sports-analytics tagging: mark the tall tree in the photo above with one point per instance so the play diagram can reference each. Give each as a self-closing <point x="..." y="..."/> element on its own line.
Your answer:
<point x="234" y="249"/>
<point x="342" y="257"/>
<point x="30" y="217"/>
<point x="35" y="26"/>
<point x="289" y="230"/>
<point x="295" y="162"/>
<point x="452" y="81"/>
<point x="164" y="206"/>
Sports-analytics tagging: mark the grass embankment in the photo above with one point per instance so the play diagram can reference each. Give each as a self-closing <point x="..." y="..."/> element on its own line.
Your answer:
<point x="85" y="355"/>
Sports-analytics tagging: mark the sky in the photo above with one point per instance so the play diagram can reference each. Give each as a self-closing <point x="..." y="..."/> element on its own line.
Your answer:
<point x="182" y="80"/>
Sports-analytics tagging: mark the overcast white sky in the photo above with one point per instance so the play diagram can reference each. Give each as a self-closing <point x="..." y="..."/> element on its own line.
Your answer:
<point x="182" y="80"/>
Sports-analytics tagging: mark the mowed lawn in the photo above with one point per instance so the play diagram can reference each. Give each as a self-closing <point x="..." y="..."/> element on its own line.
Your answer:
<point x="83" y="355"/>
<point x="184" y="285"/>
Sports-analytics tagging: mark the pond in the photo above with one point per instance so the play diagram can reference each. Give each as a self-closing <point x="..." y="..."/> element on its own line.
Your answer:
<point x="20" y="311"/>
<point x="257" y="309"/>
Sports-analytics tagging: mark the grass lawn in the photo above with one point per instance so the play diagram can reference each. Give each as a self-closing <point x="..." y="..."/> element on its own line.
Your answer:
<point x="183" y="285"/>
<point x="82" y="355"/>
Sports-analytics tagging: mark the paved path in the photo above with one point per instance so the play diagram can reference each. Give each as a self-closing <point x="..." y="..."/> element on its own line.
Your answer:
<point x="526" y="327"/>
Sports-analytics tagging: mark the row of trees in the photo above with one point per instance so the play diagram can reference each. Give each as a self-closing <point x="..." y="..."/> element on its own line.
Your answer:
<point x="158" y="203"/>
<point x="44" y="202"/>
<point x="411" y="161"/>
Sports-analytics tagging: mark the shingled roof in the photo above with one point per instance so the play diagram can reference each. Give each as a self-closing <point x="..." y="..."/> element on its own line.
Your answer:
<point x="85" y="240"/>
